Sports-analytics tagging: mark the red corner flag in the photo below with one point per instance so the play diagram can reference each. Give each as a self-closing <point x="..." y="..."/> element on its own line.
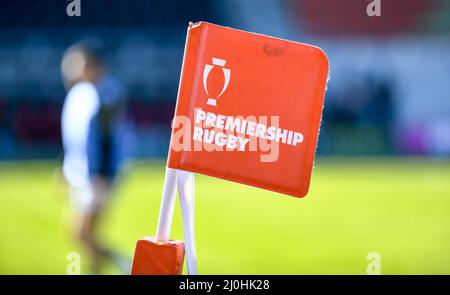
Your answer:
<point x="248" y="110"/>
<point x="243" y="92"/>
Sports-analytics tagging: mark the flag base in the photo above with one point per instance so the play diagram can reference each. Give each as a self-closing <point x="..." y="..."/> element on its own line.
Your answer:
<point x="152" y="257"/>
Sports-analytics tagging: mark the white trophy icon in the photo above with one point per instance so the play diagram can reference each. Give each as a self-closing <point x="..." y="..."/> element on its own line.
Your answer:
<point x="226" y="72"/>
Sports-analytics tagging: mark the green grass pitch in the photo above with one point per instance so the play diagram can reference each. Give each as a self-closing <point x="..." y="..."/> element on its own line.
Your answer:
<point x="399" y="208"/>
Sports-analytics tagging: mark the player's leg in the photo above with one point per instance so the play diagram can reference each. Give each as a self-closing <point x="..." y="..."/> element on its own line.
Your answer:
<point x="90" y="202"/>
<point x="102" y="188"/>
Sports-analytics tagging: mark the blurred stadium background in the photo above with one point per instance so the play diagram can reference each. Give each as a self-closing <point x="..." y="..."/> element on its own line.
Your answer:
<point x="381" y="182"/>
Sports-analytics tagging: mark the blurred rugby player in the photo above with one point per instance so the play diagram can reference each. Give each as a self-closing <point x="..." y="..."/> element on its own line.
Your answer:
<point x="92" y="123"/>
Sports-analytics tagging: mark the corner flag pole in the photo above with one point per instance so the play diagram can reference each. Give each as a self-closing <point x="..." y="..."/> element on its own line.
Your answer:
<point x="184" y="182"/>
<point x="167" y="206"/>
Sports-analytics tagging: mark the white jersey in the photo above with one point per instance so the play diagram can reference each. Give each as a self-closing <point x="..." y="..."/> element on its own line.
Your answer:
<point x="81" y="105"/>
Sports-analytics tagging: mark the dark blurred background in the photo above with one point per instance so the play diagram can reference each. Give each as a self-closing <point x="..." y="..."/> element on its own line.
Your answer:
<point x="388" y="92"/>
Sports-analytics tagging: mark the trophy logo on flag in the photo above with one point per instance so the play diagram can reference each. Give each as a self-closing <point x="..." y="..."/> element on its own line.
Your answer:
<point x="207" y="70"/>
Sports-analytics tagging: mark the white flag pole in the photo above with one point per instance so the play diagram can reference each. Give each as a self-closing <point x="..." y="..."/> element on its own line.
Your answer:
<point x="167" y="206"/>
<point x="185" y="185"/>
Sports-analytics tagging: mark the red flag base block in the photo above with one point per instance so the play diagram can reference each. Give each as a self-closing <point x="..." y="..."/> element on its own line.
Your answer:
<point x="153" y="257"/>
